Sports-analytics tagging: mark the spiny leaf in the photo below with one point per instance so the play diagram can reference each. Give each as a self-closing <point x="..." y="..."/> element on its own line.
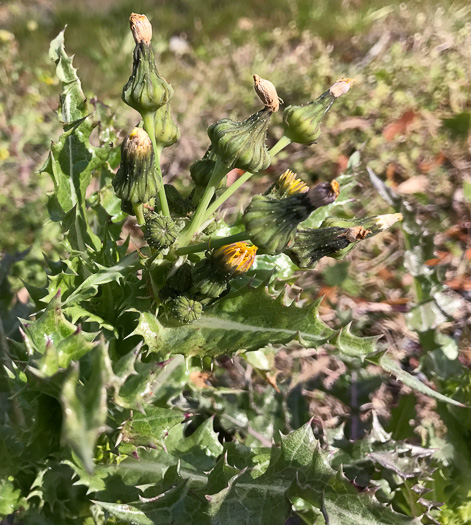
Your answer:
<point x="85" y="409"/>
<point x="389" y="365"/>
<point x="298" y="469"/>
<point x="89" y="286"/>
<point x="248" y="319"/>
<point x="151" y="428"/>
<point x="72" y="159"/>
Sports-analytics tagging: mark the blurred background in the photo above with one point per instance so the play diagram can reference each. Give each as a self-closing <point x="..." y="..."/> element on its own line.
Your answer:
<point x="408" y="115"/>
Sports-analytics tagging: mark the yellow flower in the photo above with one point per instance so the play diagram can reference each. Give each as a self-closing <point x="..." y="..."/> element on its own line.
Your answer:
<point x="236" y="258"/>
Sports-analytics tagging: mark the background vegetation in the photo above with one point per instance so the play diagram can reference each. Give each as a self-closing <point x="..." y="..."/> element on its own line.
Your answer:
<point x="409" y="117"/>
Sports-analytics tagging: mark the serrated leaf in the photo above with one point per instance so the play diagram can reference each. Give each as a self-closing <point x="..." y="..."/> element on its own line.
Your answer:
<point x="72" y="159"/>
<point x="50" y="328"/>
<point x="85" y="409"/>
<point x="389" y="365"/>
<point x="125" y="512"/>
<point x="298" y="469"/>
<point x="10" y="498"/>
<point x="89" y="286"/>
<point x="248" y="319"/>
<point x="151" y="428"/>
<point x="353" y="345"/>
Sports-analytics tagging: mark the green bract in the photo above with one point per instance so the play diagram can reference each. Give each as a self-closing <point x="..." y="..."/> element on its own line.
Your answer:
<point x="135" y="181"/>
<point x="303" y="123"/>
<point x="242" y="144"/>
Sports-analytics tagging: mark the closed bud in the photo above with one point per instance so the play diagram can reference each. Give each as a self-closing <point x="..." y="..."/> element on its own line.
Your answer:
<point x="302" y="124"/>
<point x="135" y="180"/>
<point x="201" y="170"/>
<point x="179" y="206"/>
<point x="242" y="144"/>
<point x="146" y="90"/>
<point x="160" y="231"/>
<point x="181" y="281"/>
<point x="310" y="245"/>
<point x="288" y="184"/>
<point x="212" y="275"/>
<point x="266" y="91"/>
<point x="166" y="130"/>
<point x="271" y="223"/>
<point x="184" y="309"/>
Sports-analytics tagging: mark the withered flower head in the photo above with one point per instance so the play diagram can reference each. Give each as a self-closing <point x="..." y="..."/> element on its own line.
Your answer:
<point x="141" y="28"/>
<point x="311" y="244"/>
<point x="267" y="93"/>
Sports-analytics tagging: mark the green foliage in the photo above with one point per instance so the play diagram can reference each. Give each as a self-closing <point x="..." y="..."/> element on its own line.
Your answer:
<point x="109" y="413"/>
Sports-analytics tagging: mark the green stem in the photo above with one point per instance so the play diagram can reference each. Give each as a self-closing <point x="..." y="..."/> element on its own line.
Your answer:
<point x="218" y="174"/>
<point x="149" y="124"/>
<point x="213" y="243"/>
<point x="139" y="211"/>
<point x="281" y="144"/>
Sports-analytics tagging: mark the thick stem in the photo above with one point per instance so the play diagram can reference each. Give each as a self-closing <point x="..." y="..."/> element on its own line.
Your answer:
<point x="213" y="243"/>
<point x="149" y="124"/>
<point x="218" y="174"/>
<point x="139" y="211"/>
<point x="281" y="144"/>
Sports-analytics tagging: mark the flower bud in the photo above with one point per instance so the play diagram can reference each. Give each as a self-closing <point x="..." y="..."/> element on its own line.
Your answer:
<point x="160" y="231"/>
<point x="312" y="244"/>
<point x="166" y="130"/>
<point x="271" y="223"/>
<point x="266" y="91"/>
<point x="179" y="206"/>
<point x="286" y="186"/>
<point x="302" y="124"/>
<point x="184" y="310"/>
<point x="146" y="90"/>
<point x="135" y="180"/>
<point x="181" y="281"/>
<point x="242" y="144"/>
<point x="212" y="275"/>
<point x="201" y="170"/>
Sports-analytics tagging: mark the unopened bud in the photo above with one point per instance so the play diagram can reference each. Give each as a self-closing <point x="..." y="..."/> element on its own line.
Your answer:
<point x="242" y="144"/>
<point x="266" y="91"/>
<point x="288" y="184"/>
<point x="271" y="223"/>
<point x="302" y="124"/>
<point x="166" y="130"/>
<point x="184" y="310"/>
<point x="160" y="231"/>
<point x="310" y="245"/>
<point x="135" y="180"/>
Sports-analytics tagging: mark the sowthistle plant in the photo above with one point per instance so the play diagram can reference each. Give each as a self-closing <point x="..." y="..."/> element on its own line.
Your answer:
<point x="175" y="227"/>
<point x="98" y="389"/>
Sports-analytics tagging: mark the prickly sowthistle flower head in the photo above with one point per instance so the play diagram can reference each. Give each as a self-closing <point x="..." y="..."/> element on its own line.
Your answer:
<point x="212" y="275"/>
<point x="302" y="124"/>
<point x="135" y="180"/>
<point x="146" y="90"/>
<point x="271" y="222"/>
<point x="234" y="259"/>
<point x="288" y="184"/>
<point x="242" y="144"/>
<point x="335" y="238"/>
